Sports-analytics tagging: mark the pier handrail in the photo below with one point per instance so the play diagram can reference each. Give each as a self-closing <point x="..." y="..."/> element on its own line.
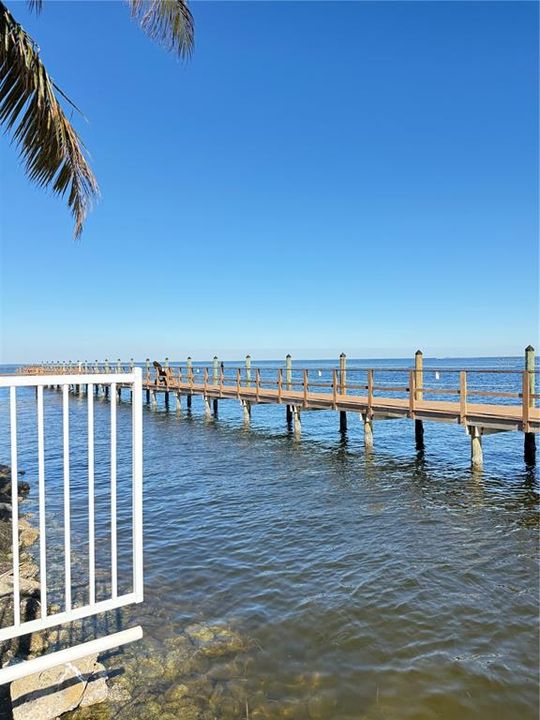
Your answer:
<point x="297" y="380"/>
<point x="342" y="384"/>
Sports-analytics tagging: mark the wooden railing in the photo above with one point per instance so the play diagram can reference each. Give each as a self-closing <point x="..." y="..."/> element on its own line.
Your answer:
<point x="337" y="382"/>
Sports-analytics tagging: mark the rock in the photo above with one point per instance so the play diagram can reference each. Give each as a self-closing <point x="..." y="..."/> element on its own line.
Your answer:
<point x="27" y="586"/>
<point x="38" y="643"/>
<point x="28" y="533"/>
<point x="176" y="693"/>
<point x="214" y="640"/>
<point x="119" y="694"/>
<point x="96" y="689"/>
<point x="46" y="695"/>
<point x="200" y="634"/>
<point x="5" y="472"/>
<point x="23" y="488"/>
<point x="5" y="484"/>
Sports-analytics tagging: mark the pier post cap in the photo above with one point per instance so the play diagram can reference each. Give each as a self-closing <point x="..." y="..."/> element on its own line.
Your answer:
<point x="529" y="348"/>
<point x="215" y="357"/>
<point x="342" y="355"/>
<point x="189" y="357"/>
<point x="418" y="352"/>
<point x="288" y="355"/>
<point x="248" y="357"/>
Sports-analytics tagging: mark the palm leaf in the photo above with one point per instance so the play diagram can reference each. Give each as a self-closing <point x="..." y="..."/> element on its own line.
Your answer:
<point x="50" y="148"/>
<point x="36" y="5"/>
<point x="169" y="22"/>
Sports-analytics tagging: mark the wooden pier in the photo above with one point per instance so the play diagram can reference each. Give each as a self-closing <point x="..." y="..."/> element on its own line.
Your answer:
<point x="481" y="410"/>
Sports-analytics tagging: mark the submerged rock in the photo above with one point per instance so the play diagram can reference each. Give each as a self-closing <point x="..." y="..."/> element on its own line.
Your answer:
<point x="215" y="639"/>
<point x="197" y="674"/>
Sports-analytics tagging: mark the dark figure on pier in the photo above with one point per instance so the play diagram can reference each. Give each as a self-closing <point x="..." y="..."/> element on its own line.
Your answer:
<point x="163" y="375"/>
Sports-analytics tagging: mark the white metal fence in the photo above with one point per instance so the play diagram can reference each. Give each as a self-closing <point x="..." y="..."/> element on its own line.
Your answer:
<point x="71" y="611"/>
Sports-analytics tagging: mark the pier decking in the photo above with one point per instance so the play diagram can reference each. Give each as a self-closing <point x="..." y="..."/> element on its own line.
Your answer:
<point x="347" y="390"/>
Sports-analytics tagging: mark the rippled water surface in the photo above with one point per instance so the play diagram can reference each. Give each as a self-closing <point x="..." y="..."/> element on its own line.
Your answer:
<point x="352" y="585"/>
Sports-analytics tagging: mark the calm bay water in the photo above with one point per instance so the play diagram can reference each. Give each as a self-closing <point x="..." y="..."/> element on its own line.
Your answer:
<point x="352" y="585"/>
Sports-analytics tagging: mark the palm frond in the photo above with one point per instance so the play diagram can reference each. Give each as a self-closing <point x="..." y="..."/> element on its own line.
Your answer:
<point x="36" y="5"/>
<point x="51" y="150"/>
<point x="169" y="22"/>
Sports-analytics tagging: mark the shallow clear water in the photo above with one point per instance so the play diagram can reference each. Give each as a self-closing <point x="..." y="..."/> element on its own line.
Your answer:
<point x="379" y="585"/>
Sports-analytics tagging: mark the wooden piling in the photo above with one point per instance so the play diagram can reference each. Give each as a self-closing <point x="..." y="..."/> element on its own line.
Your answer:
<point x="477" y="458"/>
<point x="189" y="372"/>
<point x="215" y="365"/>
<point x="288" y="371"/>
<point x="368" y="431"/>
<point x="248" y="370"/>
<point x="215" y="407"/>
<point x="343" y="391"/>
<point x="529" y="444"/>
<point x="343" y="374"/>
<point x="246" y="409"/>
<point x="418" y="395"/>
<point x="297" y="425"/>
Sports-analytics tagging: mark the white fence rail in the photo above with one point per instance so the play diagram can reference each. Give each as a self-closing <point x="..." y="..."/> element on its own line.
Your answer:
<point x="69" y="612"/>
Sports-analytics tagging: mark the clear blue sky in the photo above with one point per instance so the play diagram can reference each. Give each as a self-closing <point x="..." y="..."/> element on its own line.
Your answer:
<point x="320" y="177"/>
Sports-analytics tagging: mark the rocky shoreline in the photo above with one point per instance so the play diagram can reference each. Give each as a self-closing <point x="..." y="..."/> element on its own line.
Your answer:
<point x="46" y="695"/>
